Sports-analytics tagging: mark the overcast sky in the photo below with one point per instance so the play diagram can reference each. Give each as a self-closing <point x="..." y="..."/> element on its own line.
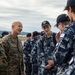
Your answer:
<point x="30" y="12"/>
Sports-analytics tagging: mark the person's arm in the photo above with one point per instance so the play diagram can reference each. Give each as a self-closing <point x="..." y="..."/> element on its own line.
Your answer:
<point x="4" y="48"/>
<point x="3" y="58"/>
<point x="25" y="48"/>
<point x="25" y="51"/>
<point x="21" y="57"/>
<point x="57" y="36"/>
<point x="33" y="54"/>
<point x="63" y="47"/>
<point x="40" y="53"/>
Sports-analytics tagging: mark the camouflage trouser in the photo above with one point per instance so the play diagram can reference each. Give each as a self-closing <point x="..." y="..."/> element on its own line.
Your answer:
<point x="67" y="70"/>
<point x="28" y="68"/>
<point x="34" y="69"/>
<point x="49" y="72"/>
<point x="73" y="73"/>
<point x="2" y="72"/>
<point x="13" y="70"/>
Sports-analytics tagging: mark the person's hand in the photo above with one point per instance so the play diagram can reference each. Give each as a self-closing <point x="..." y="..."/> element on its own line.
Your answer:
<point x="29" y="55"/>
<point x="57" y="36"/>
<point x="23" y="73"/>
<point x="50" y="64"/>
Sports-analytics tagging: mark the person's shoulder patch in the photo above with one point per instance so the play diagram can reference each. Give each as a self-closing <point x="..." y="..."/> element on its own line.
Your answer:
<point x="62" y="35"/>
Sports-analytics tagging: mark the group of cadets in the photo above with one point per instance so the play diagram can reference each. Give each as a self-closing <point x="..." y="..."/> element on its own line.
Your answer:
<point x="30" y="58"/>
<point x="45" y="53"/>
<point x="53" y="54"/>
<point x="39" y="46"/>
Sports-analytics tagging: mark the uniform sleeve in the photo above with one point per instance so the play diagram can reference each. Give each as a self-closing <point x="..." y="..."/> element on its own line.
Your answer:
<point x="33" y="57"/>
<point x="5" y="49"/>
<point x="25" y="48"/>
<point x="25" y="51"/>
<point x="3" y="58"/>
<point x="5" y="44"/>
<point x="21" y="55"/>
<point x="63" y="47"/>
<point x="40" y="53"/>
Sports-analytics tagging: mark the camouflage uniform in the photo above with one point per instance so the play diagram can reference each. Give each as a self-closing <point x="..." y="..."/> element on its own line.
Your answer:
<point x="13" y="51"/>
<point x="45" y="47"/>
<point x="3" y="61"/>
<point x="64" y="54"/>
<point x="33" y="57"/>
<point x="27" y="51"/>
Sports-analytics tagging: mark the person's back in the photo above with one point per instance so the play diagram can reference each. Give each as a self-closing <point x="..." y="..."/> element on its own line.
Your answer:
<point x="33" y="57"/>
<point x="26" y="52"/>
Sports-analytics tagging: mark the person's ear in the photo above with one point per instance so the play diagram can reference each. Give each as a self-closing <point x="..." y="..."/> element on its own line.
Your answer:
<point x="42" y="28"/>
<point x="50" y="26"/>
<point x="70" y="9"/>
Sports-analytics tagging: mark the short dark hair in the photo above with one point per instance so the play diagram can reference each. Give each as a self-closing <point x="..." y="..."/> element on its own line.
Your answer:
<point x="73" y="9"/>
<point x="35" y="33"/>
<point x="66" y="23"/>
<point x="4" y="33"/>
<point x="62" y="18"/>
<point x="28" y="35"/>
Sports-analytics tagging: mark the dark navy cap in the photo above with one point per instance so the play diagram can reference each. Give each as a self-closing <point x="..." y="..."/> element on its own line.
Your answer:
<point x="45" y="23"/>
<point x="42" y="33"/>
<point x="70" y="3"/>
<point x="35" y="33"/>
<point x="28" y="35"/>
<point x="62" y="18"/>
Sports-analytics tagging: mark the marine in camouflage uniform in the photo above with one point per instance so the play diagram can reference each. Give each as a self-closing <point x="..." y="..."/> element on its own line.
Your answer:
<point x="13" y="50"/>
<point x="33" y="57"/>
<point x="3" y="61"/>
<point x="26" y="52"/>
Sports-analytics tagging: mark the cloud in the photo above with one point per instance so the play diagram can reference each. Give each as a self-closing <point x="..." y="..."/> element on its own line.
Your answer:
<point x="30" y="12"/>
